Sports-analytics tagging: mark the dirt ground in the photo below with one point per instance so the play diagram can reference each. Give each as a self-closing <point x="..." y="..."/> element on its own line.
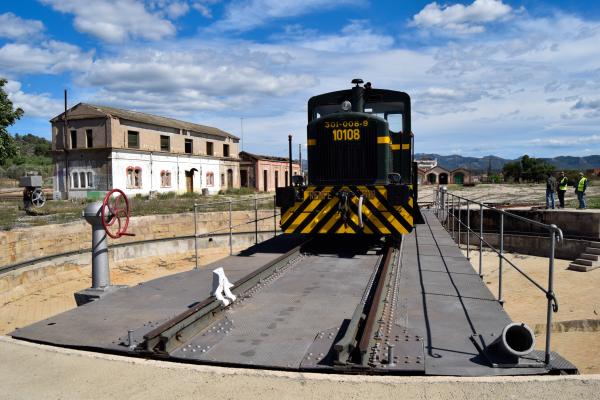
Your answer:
<point x="531" y="194"/>
<point x="576" y="325"/>
<point x="41" y="301"/>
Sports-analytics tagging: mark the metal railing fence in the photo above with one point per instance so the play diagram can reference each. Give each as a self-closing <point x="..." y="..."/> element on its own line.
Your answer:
<point x="448" y="209"/>
<point x="255" y="204"/>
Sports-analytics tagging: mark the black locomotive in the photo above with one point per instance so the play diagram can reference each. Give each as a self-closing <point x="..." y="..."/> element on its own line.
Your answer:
<point x="361" y="177"/>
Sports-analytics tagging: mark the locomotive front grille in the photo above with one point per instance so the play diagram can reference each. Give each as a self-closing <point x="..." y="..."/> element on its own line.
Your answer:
<point x="340" y="157"/>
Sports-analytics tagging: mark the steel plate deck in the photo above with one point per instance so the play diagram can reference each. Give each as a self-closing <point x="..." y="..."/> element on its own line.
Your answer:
<point x="103" y="324"/>
<point x="443" y="299"/>
<point x="440" y="298"/>
<point x="277" y="326"/>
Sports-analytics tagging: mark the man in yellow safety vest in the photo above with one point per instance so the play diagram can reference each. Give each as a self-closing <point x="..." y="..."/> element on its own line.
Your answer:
<point x="580" y="190"/>
<point x="562" y="188"/>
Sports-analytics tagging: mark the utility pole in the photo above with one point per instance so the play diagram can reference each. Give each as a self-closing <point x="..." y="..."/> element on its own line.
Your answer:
<point x="242" y="130"/>
<point x="65" y="135"/>
<point x="300" y="158"/>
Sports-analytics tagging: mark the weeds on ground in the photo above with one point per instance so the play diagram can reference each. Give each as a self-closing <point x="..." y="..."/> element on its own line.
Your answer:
<point x="61" y="211"/>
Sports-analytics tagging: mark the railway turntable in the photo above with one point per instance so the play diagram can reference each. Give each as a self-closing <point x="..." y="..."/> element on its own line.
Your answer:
<point x="314" y="305"/>
<point x="359" y="282"/>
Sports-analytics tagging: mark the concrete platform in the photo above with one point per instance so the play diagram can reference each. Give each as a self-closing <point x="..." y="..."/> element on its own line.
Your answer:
<point x="31" y="370"/>
<point x="441" y="301"/>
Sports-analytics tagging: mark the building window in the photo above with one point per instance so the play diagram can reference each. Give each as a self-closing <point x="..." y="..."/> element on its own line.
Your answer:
<point x="222" y="179"/>
<point x="134" y="178"/>
<point x="73" y="139"/>
<point x="209" y="148"/>
<point x="165" y="143"/>
<point x="82" y="180"/>
<point x="225" y="150"/>
<point x="165" y="178"/>
<point x="210" y="179"/>
<point x="89" y="138"/>
<point x="75" y="180"/>
<point x="189" y="146"/>
<point x="276" y="179"/>
<point x="133" y="139"/>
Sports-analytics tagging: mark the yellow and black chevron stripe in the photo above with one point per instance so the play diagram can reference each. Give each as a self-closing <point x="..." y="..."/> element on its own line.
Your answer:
<point x="319" y="212"/>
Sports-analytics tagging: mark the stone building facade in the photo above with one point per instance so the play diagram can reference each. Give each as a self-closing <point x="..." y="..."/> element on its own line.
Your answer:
<point x="441" y="176"/>
<point x="104" y="148"/>
<point x="265" y="173"/>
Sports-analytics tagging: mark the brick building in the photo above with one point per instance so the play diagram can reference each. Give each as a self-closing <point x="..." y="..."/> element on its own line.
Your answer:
<point x="104" y="148"/>
<point x="265" y="173"/>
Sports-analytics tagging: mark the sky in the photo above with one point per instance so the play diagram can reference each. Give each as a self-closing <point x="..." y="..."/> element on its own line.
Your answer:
<point x="485" y="76"/>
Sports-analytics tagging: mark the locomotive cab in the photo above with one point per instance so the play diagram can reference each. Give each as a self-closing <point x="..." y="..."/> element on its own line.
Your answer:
<point x="359" y="166"/>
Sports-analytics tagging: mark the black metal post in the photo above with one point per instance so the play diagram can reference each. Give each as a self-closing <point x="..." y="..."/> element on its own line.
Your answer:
<point x="550" y="298"/>
<point x="289" y="183"/>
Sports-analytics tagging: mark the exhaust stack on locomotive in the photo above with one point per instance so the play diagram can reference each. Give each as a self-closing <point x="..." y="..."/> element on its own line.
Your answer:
<point x="360" y="166"/>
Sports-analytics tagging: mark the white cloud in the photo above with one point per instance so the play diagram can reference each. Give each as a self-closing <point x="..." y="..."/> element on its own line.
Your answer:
<point x="242" y="15"/>
<point x="50" y="57"/>
<point x="203" y="7"/>
<point x="34" y="105"/>
<point x="462" y="19"/>
<point x="565" y="141"/>
<point x="14" y="27"/>
<point x="356" y="37"/>
<point x="119" y="20"/>
<point x="583" y="104"/>
<point x="193" y="79"/>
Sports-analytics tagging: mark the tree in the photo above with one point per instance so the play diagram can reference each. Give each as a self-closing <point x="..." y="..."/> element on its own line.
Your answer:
<point x="8" y="116"/>
<point x="512" y="170"/>
<point x="535" y="169"/>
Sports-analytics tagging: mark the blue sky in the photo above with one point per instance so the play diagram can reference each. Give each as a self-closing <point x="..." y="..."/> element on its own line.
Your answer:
<point x="485" y="76"/>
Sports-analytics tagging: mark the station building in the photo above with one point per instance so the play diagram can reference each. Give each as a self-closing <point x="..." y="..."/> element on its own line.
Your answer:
<point x="100" y="148"/>
<point x="441" y="176"/>
<point x="265" y="173"/>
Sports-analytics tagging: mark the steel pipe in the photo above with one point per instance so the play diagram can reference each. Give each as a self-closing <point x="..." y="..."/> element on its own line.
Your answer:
<point x="516" y="340"/>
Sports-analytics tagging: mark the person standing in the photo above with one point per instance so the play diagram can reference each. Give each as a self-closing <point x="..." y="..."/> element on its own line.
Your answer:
<point x="580" y="191"/>
<point x="550" y="189"/>
<point x="562" y="188"/>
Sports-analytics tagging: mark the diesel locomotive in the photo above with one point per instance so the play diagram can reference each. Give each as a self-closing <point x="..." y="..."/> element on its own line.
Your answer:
<point x="361" y="175"/>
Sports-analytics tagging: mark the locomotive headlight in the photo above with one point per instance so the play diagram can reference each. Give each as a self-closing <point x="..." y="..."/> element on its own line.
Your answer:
<point x="346" y="105"/>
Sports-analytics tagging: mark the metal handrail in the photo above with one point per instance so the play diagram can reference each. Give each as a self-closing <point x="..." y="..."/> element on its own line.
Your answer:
<point x="445" y="209"/>
<point x="230" y="226"/>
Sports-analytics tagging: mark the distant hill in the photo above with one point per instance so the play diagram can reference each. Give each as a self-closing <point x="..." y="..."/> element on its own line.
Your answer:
<point x="476" y="164"/>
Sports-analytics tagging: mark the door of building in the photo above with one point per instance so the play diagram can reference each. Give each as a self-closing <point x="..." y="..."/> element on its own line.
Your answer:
<point x="189" y="181"/>
<point x="243" y="178"/>
<point x="230" y="178"/>
<point x="443" y="179"/>
<point x="265" y="186"/>
<point x="459" y="178"/>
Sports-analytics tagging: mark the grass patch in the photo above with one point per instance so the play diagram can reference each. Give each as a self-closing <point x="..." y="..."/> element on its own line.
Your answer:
<point x="591" y="202"/>
<point x="61" y="211"/>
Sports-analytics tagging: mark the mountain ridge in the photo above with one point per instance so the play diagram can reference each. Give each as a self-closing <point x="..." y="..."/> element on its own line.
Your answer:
<point x="480" y="164"/>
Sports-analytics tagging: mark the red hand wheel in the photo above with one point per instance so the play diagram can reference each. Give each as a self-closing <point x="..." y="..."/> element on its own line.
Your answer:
<point x="115" y="213"/>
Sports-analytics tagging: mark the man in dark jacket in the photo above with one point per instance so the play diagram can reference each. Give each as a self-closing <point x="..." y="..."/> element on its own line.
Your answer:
<point x="550" y="189"/>
<point x="562" y="188"/>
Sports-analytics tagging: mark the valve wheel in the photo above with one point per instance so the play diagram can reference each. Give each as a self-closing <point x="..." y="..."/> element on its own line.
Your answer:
<point x="115" y="212"/>
<point x="38" y="199"/>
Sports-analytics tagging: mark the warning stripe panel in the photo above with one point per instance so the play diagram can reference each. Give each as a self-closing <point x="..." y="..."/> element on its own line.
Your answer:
<point x="322" y="213"/>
